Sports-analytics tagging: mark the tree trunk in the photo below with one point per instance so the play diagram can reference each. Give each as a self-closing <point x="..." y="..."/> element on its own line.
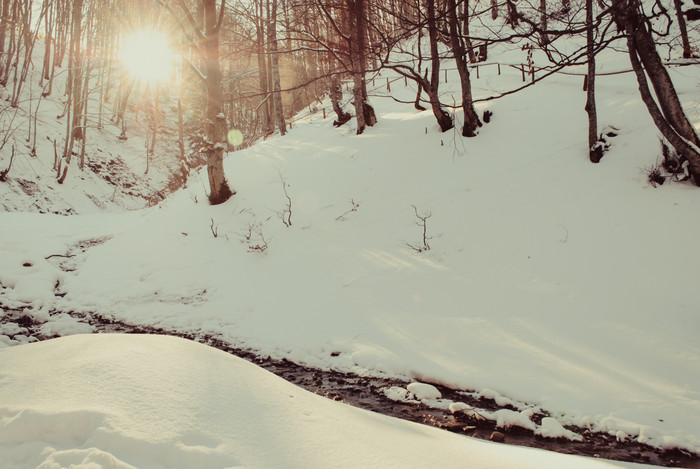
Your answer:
<point x="48" y="42"/>
<point x="543" y="22"/>
<point x="336" y="94"/>
<point x="11" y="47"/>
<point x="3" y="27"/>
<point x="465" y="29"/>
<point x="595" y="153"/>
<point x="687" y="53"/>
<point x="216" y="121"/>
<point x="667" y="114"/>
<point x="471" y="119"/>
<point x="443" y="118"/>
<point x="275" y="69"/>
<point x="684" y="147"/>
<point x="181" y="141"/>
<point x="76" y="66"/>
<point x="262" y="73"/>
<point x="627" y="14"/>
<point x="364" y="113"/>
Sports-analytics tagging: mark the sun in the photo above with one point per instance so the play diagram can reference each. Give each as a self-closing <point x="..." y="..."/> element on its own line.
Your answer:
<point x="147" y="56"/>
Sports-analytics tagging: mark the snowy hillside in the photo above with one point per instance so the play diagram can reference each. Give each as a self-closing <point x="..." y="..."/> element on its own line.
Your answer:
<point x="551" y="282"/>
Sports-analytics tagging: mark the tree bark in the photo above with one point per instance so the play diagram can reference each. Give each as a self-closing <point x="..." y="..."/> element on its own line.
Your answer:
<point x="216" y="121"/>
<point x="336" y="94"/>
<point x="471" y="119"/>
<point x="543" y="22"/>
<point x="444" y="119"/>
<point x="76" y="66"/>
<point x="595" y="153"/>
<point x="364" y="113"/>
<point x="275" y="69"/>
<point x="465" y="29"/>
<point x="687" y="149"/>
<point x="4" y="20"/>
<point x="627" y="14"/>
<point x="263" y="72"/>
<point x="687" y="53"/>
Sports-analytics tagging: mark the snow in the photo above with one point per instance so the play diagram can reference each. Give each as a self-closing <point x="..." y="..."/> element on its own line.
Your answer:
<point x="551" y="428"/>
<point x="134" y="401"/>
<point x="506" y="418"/>
<point x="422" y="391"/>
<point x="551" y="282"/>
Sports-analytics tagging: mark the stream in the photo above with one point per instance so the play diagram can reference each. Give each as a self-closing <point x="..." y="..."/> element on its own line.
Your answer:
<point x="367" y="393"/>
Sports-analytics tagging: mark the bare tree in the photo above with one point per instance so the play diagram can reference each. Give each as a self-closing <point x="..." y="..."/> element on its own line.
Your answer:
<point x="471" y="119"/>
<point x="216" y="128"/>
<point x="666" y="110"/>
<point x="595" y="152"/>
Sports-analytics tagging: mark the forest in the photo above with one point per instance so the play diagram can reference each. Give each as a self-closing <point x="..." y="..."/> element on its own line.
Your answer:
<point x="349" y="233"/>
<point x="222" y="76"/>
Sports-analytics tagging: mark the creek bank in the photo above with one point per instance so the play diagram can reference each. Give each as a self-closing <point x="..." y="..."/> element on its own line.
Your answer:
<point x="370" y="393"/>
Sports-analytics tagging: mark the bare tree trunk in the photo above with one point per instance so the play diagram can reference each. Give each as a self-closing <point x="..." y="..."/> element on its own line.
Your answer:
<point x="364" y="113"/>
<point x="443" y="118"/>
<point x="3" y="27"/>
<point x="595" y="153"/>
<point x="667" y="114"/>
<point x="76" y="65"/>
<point x="471" y="119"/>
<point x="683" y="146"/>
<point x="48" y="42"/>
<point x="543" y="22"/>
<point x="687" y="53"/>
<point x="336" y="94"/>
<point x="11" y="47"/>
<point x="216" y="121"/>
<point x="275" y="69"/>
<point x="363" y="33"/>
<point x="465" y="30"/>
<point x="263" y="73"/>
<point x="181" y="141"/>
<point x="627" y="14"/>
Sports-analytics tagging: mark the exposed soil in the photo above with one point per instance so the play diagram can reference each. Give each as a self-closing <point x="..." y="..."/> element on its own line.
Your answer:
<point x="366" y="392"/>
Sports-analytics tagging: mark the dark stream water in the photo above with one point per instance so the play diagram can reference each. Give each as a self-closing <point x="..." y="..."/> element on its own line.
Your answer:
<point x="366" y="392"/>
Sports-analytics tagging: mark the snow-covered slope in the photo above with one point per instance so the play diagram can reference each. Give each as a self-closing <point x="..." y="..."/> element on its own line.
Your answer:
<point x="123" y="402"/>
<point x="550" y="280"/>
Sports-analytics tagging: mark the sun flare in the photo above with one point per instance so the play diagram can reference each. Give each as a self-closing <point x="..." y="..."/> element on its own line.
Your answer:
<point x="147" y="56"/>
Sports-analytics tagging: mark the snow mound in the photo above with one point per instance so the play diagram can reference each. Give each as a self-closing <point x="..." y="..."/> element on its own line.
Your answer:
<point x="424" y="391"/>
<point x="551" y="428"/>
<point x="142" y="401"/>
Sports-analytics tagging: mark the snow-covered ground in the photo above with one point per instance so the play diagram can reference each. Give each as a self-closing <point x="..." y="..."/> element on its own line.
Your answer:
<point x="550" y="281"/>
<point x="128" y="401"/>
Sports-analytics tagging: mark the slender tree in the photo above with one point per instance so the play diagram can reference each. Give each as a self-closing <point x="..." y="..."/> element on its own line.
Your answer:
<point x="595" y="152"/>
<point x="666" y="109"/>
<point x="471" y="119"/>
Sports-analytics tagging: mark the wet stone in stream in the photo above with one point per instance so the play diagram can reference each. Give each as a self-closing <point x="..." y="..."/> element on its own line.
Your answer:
<point x="369" y="393"/>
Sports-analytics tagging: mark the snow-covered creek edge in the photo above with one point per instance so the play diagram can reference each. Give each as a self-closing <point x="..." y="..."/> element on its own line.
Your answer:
<point x="457" y="411"/>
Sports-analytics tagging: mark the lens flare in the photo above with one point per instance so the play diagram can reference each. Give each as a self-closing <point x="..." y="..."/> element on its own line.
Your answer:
<point x="235" y="137"/>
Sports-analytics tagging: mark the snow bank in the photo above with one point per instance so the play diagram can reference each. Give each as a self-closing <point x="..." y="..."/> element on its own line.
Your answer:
<point x="130" y="401"/>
